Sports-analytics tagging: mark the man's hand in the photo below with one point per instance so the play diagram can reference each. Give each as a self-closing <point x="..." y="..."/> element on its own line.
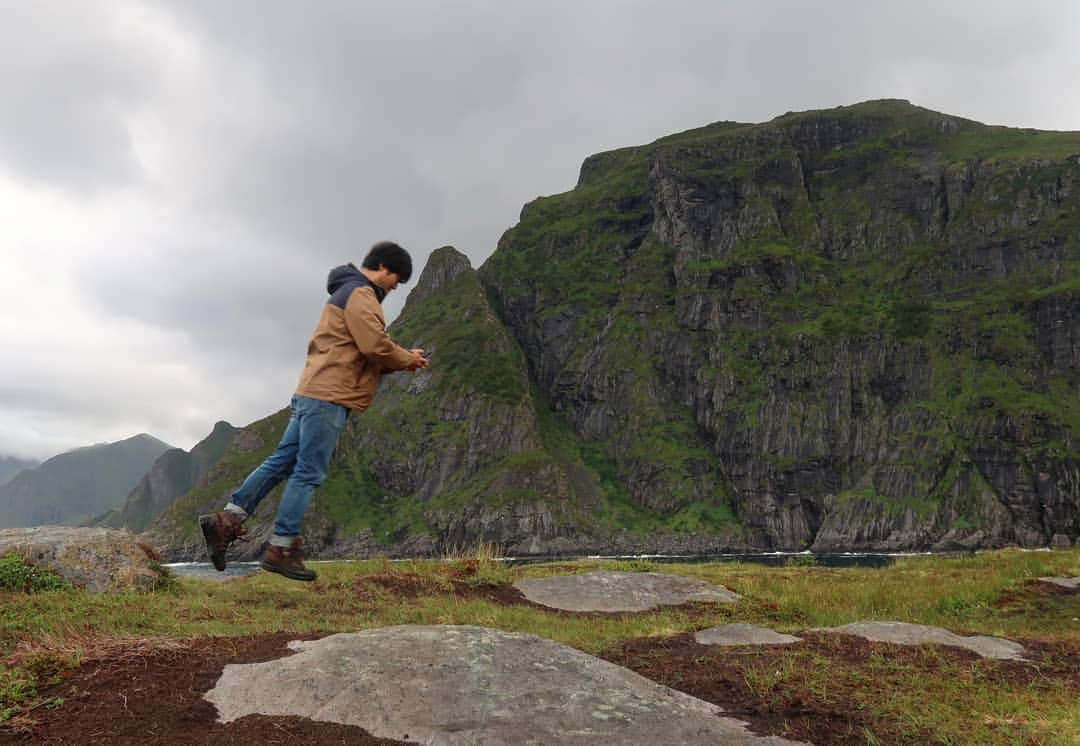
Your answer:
<point x="419" y="361"/>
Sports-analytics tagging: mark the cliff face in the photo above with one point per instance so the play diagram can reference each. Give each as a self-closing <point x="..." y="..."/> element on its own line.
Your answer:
<point x="852" y="329"/>
<point x="865" y="322"/>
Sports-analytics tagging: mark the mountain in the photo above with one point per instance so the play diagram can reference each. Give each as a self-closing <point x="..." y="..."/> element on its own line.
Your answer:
<point x="10" y="466"/>
<point x="848" y="329"/>
<point x="175" y="472"/>
<point x="76" y="485"/>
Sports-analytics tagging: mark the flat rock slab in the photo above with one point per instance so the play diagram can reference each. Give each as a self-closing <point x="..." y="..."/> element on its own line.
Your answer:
<point x="620" y="591"/>
<point x="95" y="559"/>
<point x="903" y="633"/>
<point x="471" y="685"/>
<point x="1068" y="583"/>
<point x="742" y="634"/>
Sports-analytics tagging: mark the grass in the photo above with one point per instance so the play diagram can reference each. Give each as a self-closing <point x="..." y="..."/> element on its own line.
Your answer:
<point x="42" y="633"/>
<point x="18" y="575"/>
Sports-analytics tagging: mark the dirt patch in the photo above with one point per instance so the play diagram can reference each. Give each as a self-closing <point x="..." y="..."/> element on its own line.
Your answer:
<point x="156" y="698"/>
<point x="775" y="688"/>
<point x="1032" y="595"/>
<point x="395" y="587"/>
<point x="460" y="582"/>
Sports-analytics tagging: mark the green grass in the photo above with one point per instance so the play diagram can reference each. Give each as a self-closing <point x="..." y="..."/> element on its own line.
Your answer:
<point x="17" y="575"/>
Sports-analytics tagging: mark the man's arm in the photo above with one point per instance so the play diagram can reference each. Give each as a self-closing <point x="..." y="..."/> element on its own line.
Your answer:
<point x="364" y="319"/>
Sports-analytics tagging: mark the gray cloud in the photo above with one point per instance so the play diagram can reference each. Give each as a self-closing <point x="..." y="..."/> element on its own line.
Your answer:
<point x="68" y="76"/>
<point x="215" y="159"/>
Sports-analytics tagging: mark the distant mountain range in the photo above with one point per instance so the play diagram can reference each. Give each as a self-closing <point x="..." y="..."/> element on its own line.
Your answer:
<point x="175" y="472"/>
<point x="10" y="466"/>
<point x="78" y="485"/>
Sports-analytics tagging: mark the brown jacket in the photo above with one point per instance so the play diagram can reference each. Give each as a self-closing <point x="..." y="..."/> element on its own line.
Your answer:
<point x="350" y="348"/>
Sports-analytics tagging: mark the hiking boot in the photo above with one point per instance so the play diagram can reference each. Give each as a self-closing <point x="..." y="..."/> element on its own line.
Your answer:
<point x="287" y="561"/>
<point x="220" y="530"/>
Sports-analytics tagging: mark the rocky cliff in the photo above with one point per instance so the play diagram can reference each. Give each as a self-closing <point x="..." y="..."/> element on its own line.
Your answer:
<point x="847" y="329"/>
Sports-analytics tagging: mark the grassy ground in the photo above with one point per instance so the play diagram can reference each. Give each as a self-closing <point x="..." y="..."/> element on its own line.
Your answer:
<point x="993" y="593"/>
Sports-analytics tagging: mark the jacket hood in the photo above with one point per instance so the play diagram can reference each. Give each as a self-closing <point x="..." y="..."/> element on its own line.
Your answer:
<point x="347" y="275"/>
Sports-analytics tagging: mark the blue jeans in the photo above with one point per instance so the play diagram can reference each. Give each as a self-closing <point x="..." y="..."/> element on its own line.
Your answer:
<point x="302" y="456"/>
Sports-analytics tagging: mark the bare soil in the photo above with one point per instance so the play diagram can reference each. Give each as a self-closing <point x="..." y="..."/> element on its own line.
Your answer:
<point x="156" y="698"/>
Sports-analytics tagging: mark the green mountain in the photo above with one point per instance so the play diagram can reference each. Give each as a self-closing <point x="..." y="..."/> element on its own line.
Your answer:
<point x="845" y="329"/>
<point x="10" y="466"/>
<point x="74" y="486"/>
<point x="174" y="473"/>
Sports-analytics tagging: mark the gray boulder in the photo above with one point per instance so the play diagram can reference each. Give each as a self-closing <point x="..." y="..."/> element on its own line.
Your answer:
<point x="742" y="634"/>
<point x="903" y="633"/>
<point x="95" y="559"/>
<point x="1070" y="584"/>
<point x="442" y="685"/>
<point x="620" y="591"/>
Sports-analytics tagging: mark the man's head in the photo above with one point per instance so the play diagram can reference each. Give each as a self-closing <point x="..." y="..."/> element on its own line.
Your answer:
<point x="389" y="264"/>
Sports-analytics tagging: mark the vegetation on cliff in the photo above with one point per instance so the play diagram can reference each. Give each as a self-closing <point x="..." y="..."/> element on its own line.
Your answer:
<point x="861" y="321"/>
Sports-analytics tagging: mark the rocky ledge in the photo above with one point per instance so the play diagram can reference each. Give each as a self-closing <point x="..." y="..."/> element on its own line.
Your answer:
<point x="98" y="560"/>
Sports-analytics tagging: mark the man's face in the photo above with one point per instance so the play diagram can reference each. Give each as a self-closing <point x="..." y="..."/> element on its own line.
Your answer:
<point x="385" y="279"/>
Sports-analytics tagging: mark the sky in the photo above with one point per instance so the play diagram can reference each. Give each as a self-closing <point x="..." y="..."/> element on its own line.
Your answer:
<point x="176" y="178"/>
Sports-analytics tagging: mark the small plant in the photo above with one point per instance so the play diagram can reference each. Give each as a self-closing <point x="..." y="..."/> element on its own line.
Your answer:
<point x="633" y="565"/>
<point x="485" y="551"/>
<point x="15" y="688"/>
<point x="764" y="678"/>
<point x="16" y="574"/>
<point x="166" y="581"/>
<point x="19" y="684"/>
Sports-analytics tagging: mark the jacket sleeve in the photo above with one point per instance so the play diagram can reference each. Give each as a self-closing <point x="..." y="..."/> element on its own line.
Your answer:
<point x="364" y="319"/>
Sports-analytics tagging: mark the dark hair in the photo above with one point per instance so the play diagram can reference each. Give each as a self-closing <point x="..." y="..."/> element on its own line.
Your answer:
<point x="391" y="256"/>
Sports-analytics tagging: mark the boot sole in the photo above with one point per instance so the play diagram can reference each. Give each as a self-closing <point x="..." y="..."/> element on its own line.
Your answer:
<point x="307" y="576"/>
<point x="209" y="532"/>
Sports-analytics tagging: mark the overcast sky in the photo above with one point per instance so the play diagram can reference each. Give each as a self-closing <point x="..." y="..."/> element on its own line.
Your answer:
<point x="176" y="178"/>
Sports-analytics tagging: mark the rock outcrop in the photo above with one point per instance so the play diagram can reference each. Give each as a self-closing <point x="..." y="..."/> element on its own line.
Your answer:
<point x="904" y="633"/>
<point x="469" y="685"/>
<point x="98" y="560"/>
<point x="609" y="591"/>
<point x="742" y="634"/>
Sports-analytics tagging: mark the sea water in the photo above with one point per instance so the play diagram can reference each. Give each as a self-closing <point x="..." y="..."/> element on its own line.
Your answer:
<point x="773" y="559"/>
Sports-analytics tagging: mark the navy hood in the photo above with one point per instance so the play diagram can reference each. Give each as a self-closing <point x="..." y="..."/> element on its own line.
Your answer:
<point x="343" y="280"/>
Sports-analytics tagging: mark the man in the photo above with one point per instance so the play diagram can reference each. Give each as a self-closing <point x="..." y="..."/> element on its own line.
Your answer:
<point x="348" y="351"/>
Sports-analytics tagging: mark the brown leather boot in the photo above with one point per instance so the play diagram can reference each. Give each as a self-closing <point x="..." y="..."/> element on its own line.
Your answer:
<point x="287" y="561"/>
<point x="220" y="530"/>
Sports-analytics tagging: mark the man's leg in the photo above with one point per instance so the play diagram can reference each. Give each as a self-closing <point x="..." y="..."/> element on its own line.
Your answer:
<point x="320" y="426"/>
<point x="222" y="528"/>
<point x="268" y="475"/>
